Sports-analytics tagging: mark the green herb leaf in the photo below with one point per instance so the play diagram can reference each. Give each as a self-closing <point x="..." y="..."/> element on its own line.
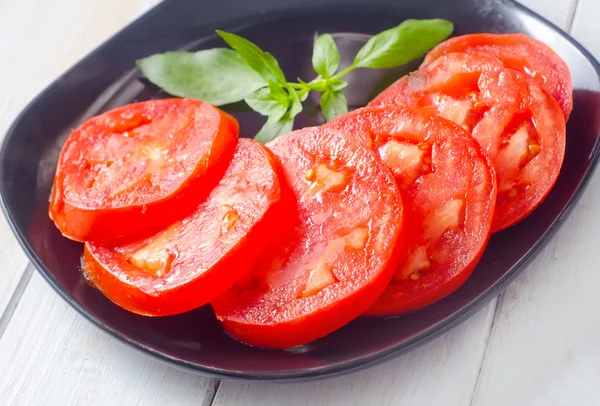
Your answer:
<point x="304" y="96"/>
<point x="271" y="131"/>
<point x="279" y="92"/>
<point x="333" y="104"/>
<point x="399" y="45"/>
<point x="218" y="76"/>
<point x="326" y="57"/>
<point x="270" y="101"/>
<point x="296" y="104"/>
<point x="262" y="62"/>
<point x="336" y="84"/>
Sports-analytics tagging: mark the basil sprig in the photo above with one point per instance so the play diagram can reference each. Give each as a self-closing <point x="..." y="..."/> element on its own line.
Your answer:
<point x="245" y="72"/>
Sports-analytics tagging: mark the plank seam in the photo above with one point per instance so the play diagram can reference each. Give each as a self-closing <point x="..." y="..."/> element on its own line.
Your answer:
<point x="488" y="338"/>
<point x="571" y="15"/>
<point x="14" y="300"/>
<point x="212" y="395"/>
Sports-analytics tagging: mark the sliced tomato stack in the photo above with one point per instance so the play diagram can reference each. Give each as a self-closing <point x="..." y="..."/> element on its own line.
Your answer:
<point x="193" y="260"/>
<point x="383" y="211"/>
<point x="172" y="208"/>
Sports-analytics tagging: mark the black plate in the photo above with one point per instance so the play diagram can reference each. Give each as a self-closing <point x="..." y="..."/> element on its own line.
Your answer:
<point x="107" y="78"/>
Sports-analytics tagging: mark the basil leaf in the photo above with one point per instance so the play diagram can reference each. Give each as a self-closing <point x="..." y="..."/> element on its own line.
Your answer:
<point x="333" y="104"/>
<point x="296" y="104"/>
<point x="272" y="131"/>
<point x="278" y="92"/>
<point x="269" y="103"/>
<point x="304" y="92"/>
<point x="262" y="62"/>
<point x="304" y="96"/>
<point x="218" y="76"/>
<point x="326" y="57"/>
<point x="402" y="44"/>
<point x="336" y="84"/>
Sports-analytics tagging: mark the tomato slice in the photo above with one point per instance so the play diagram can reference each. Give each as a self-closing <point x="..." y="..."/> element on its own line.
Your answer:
<point x="527" y="144"/>
<point x="139" y="167"/>
<point x="519" y="52"/>
<point x="340" y="256"/>
<point x="193" y="260"/>
<point x="449" y="191"/>
<point x="519" y="126"/>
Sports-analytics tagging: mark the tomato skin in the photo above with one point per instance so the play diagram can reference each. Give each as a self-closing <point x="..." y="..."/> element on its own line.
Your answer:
<point x="272" y="309"/>
<point x="440" y="261"/>
<point x="205" y="264"/>
<point x="519" y="52"/>
<point x="102" y="212"/>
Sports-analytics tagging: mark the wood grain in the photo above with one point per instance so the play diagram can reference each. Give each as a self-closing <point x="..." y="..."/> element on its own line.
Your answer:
<point x="49" y="353"/>
<point x="557" y="11"/>
<point x="441" y="372"/>
<point x="52" y="356"/>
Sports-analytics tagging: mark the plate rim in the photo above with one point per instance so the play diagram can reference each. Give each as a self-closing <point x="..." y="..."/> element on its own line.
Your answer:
<point x="339" y="368"/>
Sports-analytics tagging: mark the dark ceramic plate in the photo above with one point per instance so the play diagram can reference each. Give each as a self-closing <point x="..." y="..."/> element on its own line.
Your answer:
<point x="107" y="78"/>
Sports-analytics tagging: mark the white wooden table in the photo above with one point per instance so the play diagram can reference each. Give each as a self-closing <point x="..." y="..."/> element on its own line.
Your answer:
<point x="537" y="344"/>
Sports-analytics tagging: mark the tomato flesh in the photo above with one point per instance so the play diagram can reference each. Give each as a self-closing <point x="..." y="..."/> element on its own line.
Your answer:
<point x="337" y="260"/>
<point x="193" y="260"/>
<point x="448" y="189"/>
<point x="518" y="125"/>
<point x="139" y="167"/>
<point x="519" y="52"/>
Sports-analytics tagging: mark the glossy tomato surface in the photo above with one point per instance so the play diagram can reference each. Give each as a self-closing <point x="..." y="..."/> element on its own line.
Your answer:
<point x="518" y="125"/>
<point x="139" y="167"/>
<point x="337" y="260"/>
<point x="449" y="191"/>
<point x="194" y="260"/>
<point x="520" y="52"/>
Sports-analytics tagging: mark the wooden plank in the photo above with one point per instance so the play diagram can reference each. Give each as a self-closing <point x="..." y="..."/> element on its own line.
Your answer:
<point x="51" y="356"/>
<point x="49" y="353"/>
<point x="38" y="41"/>
<point x="560" y="12"/>
<point x="441" y="372"/>
<point x="544" y="348"/>
<point x="585" y="26"/>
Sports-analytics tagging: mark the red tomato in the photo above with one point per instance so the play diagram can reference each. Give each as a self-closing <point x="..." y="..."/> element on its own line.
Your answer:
<point x="526" y="140"/>
<point x="519" y="126"/>
<point x="194" y="260"/>
<point x="449" y="191"/>
<point x="139" y="167"/>
<point x="337" y="260"/>
<point x="519" y="52"/>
